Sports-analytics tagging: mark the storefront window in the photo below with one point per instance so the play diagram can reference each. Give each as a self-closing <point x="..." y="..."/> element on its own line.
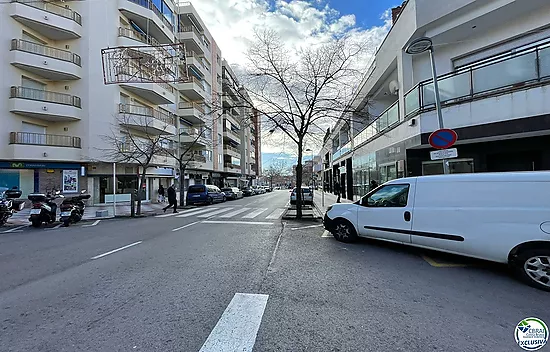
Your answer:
<point x="125" y="185"/>
<point x="457" y="166"/>
<point x="388" y="173"/>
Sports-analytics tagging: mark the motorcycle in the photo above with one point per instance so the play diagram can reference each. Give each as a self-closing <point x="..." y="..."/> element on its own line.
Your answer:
<point x="9" y="203"/>
<point x="72" y="209"/>
<point x="44" y="208"/>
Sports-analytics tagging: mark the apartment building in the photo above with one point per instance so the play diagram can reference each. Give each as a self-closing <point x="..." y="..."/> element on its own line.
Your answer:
<point x="58" y="112"/>
<point x="493" y="62"/>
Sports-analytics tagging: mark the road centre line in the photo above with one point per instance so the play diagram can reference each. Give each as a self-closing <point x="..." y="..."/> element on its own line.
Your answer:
<point x="15" y="229"/>
<point x="116" y="250"/>
<point x="306" y="227"/>
<point x="94" y="224"/>
<point x="236" y="222"/>
<point x="184" y="226"/>
<point x="239" y="324"/>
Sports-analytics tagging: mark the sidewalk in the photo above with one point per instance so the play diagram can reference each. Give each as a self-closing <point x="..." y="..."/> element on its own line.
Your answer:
<point x="329" y="200"/>
<point x="122" y="209"/>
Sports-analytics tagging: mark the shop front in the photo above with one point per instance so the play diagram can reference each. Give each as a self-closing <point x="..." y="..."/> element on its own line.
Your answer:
<point x="35" y="177"/>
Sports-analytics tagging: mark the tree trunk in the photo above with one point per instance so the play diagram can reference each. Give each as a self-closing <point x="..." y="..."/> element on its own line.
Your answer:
<point x="141" y="191"/>
<point x="182" y="187"/>
<point x="299" y="169"/>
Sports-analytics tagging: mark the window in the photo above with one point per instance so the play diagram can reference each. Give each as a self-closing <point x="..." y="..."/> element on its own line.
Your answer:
<point x="388" y="196"/>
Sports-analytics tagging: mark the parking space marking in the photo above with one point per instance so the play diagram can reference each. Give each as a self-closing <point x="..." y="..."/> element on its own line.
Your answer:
<point x="306" y="227"/>
<point x="94" y="224"/>
<point x="116" y="250"/>
<point x="239" y="324"/>
<point x="436" y="264"/>
<point x="326" y="234"/>
<point x="53" y="228"/>
<point x="236" y="222"/>
<point x="184" y="226"/>
<point x="16" y="229"/>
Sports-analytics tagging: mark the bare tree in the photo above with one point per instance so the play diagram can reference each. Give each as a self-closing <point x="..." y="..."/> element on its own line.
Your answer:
<point x="275" y="170"/>
<point x="300" y="93"/>
<point x="140" y="137"/>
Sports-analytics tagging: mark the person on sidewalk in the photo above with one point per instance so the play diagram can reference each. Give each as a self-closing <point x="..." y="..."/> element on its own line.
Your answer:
<point x="337" y="190"/>
<point x="373" y="185"/>
<point x="161" y="194"/>
<point x="172" y="201"/>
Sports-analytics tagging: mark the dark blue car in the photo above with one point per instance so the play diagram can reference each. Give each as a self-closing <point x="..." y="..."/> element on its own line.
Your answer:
<point x="204" y="194"/>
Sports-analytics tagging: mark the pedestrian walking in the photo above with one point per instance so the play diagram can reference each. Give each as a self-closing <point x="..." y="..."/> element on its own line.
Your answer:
<point x="172" y="201"/>
<point x="373" y="185"/>
<point x="161" y="194"/>
<point x="337" y="190"/>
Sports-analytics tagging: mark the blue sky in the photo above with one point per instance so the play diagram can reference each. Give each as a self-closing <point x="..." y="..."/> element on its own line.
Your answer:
<point x="367" y="12"/>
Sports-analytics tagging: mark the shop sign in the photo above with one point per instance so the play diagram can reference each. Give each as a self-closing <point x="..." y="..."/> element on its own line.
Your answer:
<point x="31" y="165"/>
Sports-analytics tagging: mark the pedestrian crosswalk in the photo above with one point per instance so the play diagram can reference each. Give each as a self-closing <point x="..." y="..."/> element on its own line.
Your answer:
<point x="244" y="213"/>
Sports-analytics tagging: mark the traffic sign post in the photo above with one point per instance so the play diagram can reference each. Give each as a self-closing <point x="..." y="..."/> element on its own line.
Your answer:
<point x="444" y="154"/>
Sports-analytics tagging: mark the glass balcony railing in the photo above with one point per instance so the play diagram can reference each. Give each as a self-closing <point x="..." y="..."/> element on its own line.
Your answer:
<point x="39" y="49"/>
<point x="493" y="76"/>
<point x="148" y="4"/>
<point x="50" y="140"/>
<point x="385" y="121"/>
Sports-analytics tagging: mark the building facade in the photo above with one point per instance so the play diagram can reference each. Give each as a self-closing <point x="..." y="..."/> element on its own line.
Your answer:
<point x="493" y="62"/>
<point x="58" y="111"/>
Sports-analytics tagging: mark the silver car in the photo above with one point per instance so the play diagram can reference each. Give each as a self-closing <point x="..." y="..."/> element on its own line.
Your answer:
<point x="307" y="196"/>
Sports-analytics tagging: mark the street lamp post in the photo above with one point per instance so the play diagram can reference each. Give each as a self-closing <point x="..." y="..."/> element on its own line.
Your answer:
<point x="419" y="46"/>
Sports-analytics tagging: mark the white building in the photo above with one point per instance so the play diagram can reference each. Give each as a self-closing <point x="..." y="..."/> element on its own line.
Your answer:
<point x="57" y="110"/>
<point x="493" y="62"/>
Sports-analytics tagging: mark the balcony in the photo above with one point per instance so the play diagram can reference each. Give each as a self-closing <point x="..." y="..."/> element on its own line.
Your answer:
<point x="51" y="20"/>
<point x="164" y="159"/>
<point x="387" y="120"/>
<point x="47" y="62"/>
<point x="193" y="89"/>
<point x="231" y="135"/>
<point x="192" y="38"/>
<point x="195" y="137"/>
<point x="232" y="168"/>
<point x="195" y="62"/>
<point x="231" y="119"/>
<point x="45" y="105"/>
<point x="146" y="15"/>
<point x="196" y="161"/>
<point x="146" y="119"/>
<point x="46" y="147"/>
<point x="156" y="93"/>
<point x="231" y="151"/>
<point x="192" y="112"/>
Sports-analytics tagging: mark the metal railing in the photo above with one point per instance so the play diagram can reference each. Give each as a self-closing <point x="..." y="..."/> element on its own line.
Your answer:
<point x="232" y="134"/>
<point x="195" y="157"/>
<point x="51" y="140"/>
<point x="44" y="95"/>
<point x="191" y="29"/>
<point x="53" y="8"/>
<point x="147" y="111"/>
<point x="195" y="80"/>
<point x="491" y="76"/>
<point x="186" y="105"/>
<point x="232" y="166"/>
<point x="44" y="50"/>
<point x="233" y="149"/>
<point x="133" y="34"/>
<point x="148" y="4"/>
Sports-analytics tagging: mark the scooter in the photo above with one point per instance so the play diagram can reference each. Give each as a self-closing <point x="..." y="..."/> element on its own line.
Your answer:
<point x="9" y="204"/>
<point x="43" y="209"/>
<point x="72" y="209"/>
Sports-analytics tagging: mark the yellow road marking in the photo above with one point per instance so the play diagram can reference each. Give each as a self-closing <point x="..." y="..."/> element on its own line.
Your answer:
<point x="436" y="264"/>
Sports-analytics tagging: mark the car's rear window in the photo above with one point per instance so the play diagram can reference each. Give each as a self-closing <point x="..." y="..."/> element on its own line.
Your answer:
<point x="195" y="189"/>
<point x="227" y="190"/>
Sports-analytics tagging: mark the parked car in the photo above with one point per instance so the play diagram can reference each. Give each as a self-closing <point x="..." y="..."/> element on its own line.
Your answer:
<point x="268" y="189"/>
<point x="248" y="191"/>
<point x="500" y="217"/>
<point x="259" y="190"/>
<point x="307" y="196"/>
<point x="232" y="192"/>
<point x="204" y="194"/>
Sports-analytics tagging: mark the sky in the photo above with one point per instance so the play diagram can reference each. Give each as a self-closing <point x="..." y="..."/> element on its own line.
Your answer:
<point x="298" y="22"/>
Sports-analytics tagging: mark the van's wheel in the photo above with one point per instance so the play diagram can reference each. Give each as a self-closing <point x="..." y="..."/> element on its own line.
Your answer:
<point x="36" y="223"/>
<point x="533" y="267"/>
<point x="224" y="199"/>
<point x="210" y="201"/>
<point x="344" y="231"/>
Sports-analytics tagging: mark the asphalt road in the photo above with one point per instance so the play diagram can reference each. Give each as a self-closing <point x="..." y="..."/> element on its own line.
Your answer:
<point x="234" y="274"/>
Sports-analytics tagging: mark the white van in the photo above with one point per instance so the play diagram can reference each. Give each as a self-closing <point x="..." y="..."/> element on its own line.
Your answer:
<point x="501" y="217"/>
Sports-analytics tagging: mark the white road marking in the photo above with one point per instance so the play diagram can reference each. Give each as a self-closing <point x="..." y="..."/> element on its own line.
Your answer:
<point x="174" y="214"/>
<point x="276" y="214"/>
<point x="54" y="228"/>
<point x="233" y="213"/>
<point x="200" y="211"/>
<point x="306" y="227"/>
<point x="238" y="326"/>
<point x="184" y="226"/>
<point x="207" y="215"/>
<point x="116" y="250"/>
<point x="236" y="222"/>
<point x="93" y="224"/>
<point x="16" y="229"/>
<point x="326" y="234"/>
<point x="254" y="213"/>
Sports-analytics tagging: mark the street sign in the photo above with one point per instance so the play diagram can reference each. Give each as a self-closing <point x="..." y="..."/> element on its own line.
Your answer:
<point x="443" y="138"/>
<point x="444" y="154"/>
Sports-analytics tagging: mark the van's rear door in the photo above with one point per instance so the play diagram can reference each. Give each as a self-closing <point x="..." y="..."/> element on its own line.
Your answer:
<point x="387" y="213"/>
